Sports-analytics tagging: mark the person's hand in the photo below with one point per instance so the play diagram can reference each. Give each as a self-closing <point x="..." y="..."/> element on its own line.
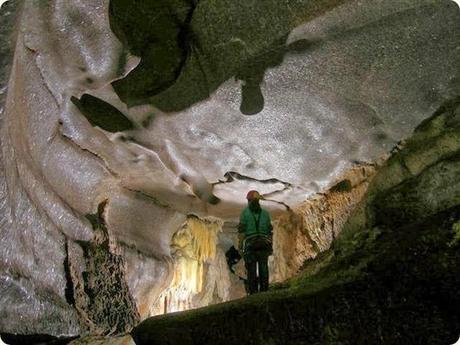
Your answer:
<point x="240" y="242"/>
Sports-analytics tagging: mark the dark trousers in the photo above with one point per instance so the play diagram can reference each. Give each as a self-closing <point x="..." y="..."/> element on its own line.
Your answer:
<point x="253" y="260"/>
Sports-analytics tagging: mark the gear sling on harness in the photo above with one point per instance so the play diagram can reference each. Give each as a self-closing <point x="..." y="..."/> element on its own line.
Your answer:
<point x="258" y="241"/>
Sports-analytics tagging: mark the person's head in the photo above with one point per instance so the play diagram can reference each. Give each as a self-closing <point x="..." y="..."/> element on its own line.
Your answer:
<point x="253" y="197"/>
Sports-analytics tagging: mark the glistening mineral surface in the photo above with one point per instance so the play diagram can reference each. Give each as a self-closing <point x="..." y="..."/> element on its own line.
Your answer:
<point x="280" y="97"/>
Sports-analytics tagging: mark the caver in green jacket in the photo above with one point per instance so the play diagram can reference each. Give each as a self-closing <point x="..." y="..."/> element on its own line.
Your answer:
<point x="254" y="225"/>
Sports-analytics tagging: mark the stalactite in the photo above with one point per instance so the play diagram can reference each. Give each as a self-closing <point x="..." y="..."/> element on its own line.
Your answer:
<point x="200" y="271"/>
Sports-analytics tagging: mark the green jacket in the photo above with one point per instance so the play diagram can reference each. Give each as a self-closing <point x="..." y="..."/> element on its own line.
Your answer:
<point x="249" y="221"/>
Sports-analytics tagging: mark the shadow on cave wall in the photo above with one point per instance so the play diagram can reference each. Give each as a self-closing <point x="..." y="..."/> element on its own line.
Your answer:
<point x="179" y="67"/>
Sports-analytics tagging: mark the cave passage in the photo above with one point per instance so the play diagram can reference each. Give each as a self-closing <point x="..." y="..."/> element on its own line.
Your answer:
<point x="131" y="132"/>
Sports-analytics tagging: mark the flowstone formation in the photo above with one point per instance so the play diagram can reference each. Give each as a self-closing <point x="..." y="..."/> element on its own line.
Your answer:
<point x="201" y="275"/>
<point x="132" y="131"/>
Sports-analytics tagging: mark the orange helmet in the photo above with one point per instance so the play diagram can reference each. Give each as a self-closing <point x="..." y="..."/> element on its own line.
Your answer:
<point x="253" y="195"/>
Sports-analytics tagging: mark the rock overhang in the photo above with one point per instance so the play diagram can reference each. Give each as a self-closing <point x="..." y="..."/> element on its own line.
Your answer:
<point x="344" y="88"/>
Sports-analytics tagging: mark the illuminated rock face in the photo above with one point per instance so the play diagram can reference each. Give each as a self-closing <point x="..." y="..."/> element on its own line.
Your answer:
<point x="201" y="275"/>
<point x="319" y="87"/>
<point x="310" y="228"/>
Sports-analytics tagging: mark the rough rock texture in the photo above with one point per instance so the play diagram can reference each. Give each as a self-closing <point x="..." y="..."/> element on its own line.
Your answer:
<point x="310" y="228"/>
<point x="327" y="84"/>
<point x="100" y="293"/>
<point x="385" y="281"/>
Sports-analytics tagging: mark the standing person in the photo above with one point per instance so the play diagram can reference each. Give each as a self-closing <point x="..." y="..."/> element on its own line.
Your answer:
<point x="255" y="240"/>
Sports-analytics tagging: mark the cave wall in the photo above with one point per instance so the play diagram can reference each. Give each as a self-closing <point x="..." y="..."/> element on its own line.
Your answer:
<point x="42" y="235"/>
<point x="309" y="229"/>
<point x="26" y="255"/>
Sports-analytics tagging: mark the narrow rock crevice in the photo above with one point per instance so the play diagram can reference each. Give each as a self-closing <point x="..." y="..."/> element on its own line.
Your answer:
<point x="230" y="176"/>
<point x="69" y="289"/>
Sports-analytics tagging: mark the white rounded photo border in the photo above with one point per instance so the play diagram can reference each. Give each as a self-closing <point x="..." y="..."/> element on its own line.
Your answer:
<point x="3" y="1"/>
